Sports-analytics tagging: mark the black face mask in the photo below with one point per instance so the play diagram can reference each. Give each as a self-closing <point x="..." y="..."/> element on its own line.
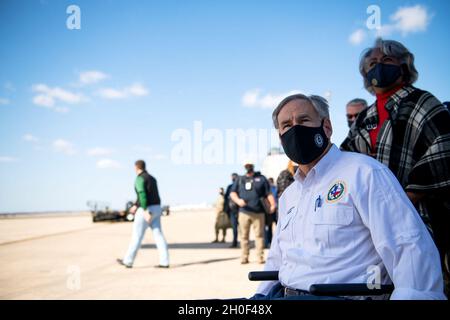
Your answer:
<point x="304" y="144"/>
<point x="350" y="123"/>
<point x="383" y="75"/>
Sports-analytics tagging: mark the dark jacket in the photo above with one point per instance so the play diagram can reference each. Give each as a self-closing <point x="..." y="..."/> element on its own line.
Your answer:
<point x="414" y="142"/>
<point x="147" y="190"/>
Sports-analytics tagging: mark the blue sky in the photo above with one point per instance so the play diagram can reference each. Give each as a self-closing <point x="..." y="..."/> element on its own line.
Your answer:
<point x="77" y="107"/>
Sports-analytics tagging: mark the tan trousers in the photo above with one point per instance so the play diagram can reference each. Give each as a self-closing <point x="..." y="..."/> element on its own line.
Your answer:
<point x="245" y="221"/>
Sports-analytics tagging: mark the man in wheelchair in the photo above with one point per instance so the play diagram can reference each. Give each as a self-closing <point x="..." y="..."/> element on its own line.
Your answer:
<point x="346" y="228"/>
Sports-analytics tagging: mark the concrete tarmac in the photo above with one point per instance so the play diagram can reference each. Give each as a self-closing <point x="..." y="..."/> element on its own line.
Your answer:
<point x="68" y="256"/>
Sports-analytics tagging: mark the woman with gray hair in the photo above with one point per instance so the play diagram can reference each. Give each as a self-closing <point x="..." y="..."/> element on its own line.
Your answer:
<point x="408" y="130"/>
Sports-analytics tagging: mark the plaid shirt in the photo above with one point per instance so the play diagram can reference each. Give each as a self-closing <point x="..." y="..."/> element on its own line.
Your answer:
<point x="414" y="142"/>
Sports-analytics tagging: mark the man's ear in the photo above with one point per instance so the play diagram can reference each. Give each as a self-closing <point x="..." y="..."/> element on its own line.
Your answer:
<point x="327" y="127"/>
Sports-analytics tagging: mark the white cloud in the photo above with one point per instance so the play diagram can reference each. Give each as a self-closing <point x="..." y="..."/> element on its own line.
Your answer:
<point x="7" y="159"/>
<point x="48" y="97"/>
<point x="136" y="89"/>
<point x="385" y="30"/>
<point x="108" y="164"/>
<point x="64" y="146"/>
<point x="91" y="77"/>
<point x="411" y="19"/>
<point x="328" y="95"/>
<point x="250" y="98"/>
<point x="109" y="93"/>
<point x="30" y="138"/>
<point x="405" y="20"/>
<point x="4" y="101"/>
<point x="99" y="152"/>
<point x="357" y="37"/>
<point x="44" y="100"/>
<point x="254" y="98"/>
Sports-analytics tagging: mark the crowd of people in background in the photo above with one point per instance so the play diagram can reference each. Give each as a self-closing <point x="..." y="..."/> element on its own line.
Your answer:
<point x="261" y="196"/>
<point x="405" y="128"/>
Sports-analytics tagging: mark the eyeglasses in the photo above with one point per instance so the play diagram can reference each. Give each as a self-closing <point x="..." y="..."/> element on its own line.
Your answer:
<point x="352" y="116"/>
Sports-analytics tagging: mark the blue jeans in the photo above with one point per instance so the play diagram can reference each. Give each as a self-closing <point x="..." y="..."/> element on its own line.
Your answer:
<point x="139" y="228"/>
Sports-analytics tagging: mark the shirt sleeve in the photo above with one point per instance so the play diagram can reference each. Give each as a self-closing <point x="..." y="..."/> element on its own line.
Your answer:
<point x="400" y="238"/>
<point x="267" y="189"/>
<point x="273" y="261"/>
<point x="431" y="173"/>
<point x="234" y="187"/>
<point x="140" y="189"/>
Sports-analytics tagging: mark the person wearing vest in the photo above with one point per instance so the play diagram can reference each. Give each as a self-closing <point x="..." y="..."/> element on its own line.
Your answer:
<point x="148" y="213"/>
<point x="249" y="192"/>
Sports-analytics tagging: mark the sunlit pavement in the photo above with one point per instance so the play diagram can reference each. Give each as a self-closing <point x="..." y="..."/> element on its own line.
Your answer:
<point x="61" y="257"/>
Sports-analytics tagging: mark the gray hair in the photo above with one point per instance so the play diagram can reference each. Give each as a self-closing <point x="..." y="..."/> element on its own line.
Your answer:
<point x="393" y="49"/>
<point x="358" y="101"/>
<point x="320" y="105"/>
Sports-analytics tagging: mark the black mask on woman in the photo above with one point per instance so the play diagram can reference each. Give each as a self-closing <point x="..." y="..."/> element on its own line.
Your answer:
<point x="383" y="75"/>
<point x="304" y="144"/>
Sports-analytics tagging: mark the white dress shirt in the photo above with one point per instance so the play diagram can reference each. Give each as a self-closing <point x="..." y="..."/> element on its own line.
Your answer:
<point x="348" y="218"/>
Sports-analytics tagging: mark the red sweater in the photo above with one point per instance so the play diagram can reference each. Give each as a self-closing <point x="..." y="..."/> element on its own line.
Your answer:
<point x="383" y="114"/>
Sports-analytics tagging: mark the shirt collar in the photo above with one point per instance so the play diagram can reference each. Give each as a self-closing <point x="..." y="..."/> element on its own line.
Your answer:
<point x="395" y="98"/>
<point x="321" y="167"/>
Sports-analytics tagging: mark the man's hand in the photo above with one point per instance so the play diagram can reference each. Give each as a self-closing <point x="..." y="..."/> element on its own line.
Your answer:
<point x="147" y="217"/>
<point x="272" y="209"/>
<point x="273" y="206"/>
<point x="133" y="209"/>
<point x="234" y="196"/>
<point x="241" y="203"/>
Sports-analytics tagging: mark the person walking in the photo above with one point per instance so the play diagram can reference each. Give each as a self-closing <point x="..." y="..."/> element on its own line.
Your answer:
<point x="148" y="213"/>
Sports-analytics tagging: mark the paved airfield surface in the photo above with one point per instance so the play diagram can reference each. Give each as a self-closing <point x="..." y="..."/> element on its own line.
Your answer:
<point x="67" y="256"/>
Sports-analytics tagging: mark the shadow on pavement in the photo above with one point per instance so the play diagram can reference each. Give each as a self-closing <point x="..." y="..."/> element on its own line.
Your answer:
<point x="192" y="263"/>
<point x="196" y="245"/>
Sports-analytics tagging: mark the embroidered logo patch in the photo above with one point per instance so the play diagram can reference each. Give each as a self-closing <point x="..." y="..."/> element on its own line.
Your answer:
<point x="318" y="140"/>
<point x="336" y="191"/>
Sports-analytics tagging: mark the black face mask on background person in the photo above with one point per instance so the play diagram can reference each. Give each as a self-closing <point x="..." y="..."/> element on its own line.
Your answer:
<point x="350" y="123"/>
<point x="383" y="75"/>
<point x="304" y="144"/>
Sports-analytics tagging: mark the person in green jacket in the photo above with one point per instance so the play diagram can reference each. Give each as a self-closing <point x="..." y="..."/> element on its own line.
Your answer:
<point x="148" y="213"/>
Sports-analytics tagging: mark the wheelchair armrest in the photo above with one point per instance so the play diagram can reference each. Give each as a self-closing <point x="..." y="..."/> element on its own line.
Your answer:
<point x="349" y="289"/>
<point x="263" y="275"/>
